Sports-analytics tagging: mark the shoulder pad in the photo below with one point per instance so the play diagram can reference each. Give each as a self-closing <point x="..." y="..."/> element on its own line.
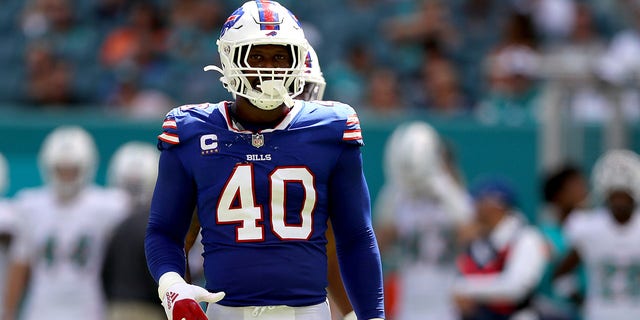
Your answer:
<point x="343" y="117"/>
<point x="175" y="127"/>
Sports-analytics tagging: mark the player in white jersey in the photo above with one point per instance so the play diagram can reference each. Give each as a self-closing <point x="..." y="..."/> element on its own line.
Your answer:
<point x="59" y="246"/>
<point x="606" y="240"/>
<point x="419" y="213"/>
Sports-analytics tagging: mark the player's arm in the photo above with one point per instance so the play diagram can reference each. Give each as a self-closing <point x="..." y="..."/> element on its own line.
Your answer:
<point x="523" y="269"/>
<point x="16" y="281"/>
<point x="337" y="293"/>
<point x="356" y="245"/>
<point x="169" y="220"/>
<point x="571" y="261"/>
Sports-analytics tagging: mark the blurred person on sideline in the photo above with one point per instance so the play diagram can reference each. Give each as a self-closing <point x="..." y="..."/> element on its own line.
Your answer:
<point x="8" y="224"/>
<point x="419" y="214"/>
<point x="564" y="190"/>
<point x="265" y="173"/>
<point x="130" y="290"/>
<point x="61" y="237"/>
<point x="502" y="266"/>
<point x="605" y="239"/>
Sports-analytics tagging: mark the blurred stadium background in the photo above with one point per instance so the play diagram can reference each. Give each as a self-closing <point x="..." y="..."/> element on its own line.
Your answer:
<point x="515" y="87"/>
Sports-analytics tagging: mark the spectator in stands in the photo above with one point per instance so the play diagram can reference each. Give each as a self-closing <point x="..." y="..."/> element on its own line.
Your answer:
<point x="110" y="14"/>
<point x="572" y="63"/>
<point x="512" y="71"/>
<point x="620" y="67"/>
<point x="438" y="90"/>
<point x="138" y="47"/>
<point x="49" y="79"/>
<point x="382" y="95"/>
<point x="130" y="100"/>
<point x="191" y="43"/>
<point x="564" y="190"/>
<point x="55" y="21"/>
<point x="145" y="29"/>
<point x="479" y="19"/>
<point x="431" y="21"/>
<point x="348" y="82"/>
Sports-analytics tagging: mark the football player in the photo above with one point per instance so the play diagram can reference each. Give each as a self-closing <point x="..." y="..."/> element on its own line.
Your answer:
<point x="129" y="288"/>
<point x="62" y="232"/>
<point x="265" y="172"/>
<point x="419" y="213"/>
<point x="605" y="239"/>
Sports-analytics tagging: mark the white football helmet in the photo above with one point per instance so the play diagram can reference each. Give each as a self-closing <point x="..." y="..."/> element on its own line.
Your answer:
<point x="68" y="148"/>
<point x="413" y="156"/>
<point x="617" y="170"/>
<point x="261" y="22"/>
<point x="314" y="80"/>
<point x="4" y="174"/>
<point x="134" y="168"/>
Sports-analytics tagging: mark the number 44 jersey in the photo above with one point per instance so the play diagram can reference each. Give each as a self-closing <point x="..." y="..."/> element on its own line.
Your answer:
<point x="64" y="245"/>
<point x="263" y="198"/>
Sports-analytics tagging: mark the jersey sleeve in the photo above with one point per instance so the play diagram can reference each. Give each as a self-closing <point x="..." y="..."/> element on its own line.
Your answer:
<point x="23" y="248"/>
<point x="576" y="228"/>
<point x="171" y="211"/>
<point x="350" y="124"/>
<point x="356" y="244"/>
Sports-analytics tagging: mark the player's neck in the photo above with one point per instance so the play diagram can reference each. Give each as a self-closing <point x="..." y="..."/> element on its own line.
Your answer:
<point x="256" y="119"/>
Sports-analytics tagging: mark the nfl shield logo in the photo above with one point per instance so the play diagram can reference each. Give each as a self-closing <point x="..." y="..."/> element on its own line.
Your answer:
<point x="257" y="140"/>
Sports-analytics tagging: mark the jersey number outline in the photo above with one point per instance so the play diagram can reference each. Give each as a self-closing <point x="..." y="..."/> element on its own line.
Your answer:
<point x="237" y="204"/>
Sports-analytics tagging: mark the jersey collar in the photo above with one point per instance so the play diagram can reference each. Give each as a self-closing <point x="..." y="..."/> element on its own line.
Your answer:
<point x="234" y="126"/>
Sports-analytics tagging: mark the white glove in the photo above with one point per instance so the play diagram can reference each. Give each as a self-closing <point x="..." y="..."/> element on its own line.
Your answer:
<point x="180" y="299"/>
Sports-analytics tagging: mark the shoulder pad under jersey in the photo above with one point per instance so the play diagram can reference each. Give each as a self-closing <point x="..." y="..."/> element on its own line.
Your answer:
<point x="178" y="123"/>
<point x="344" y="117"/>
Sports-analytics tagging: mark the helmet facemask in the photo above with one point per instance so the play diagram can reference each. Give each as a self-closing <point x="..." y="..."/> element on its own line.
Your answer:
<point x="256" y="24"/>
<point x="265" y="88"/>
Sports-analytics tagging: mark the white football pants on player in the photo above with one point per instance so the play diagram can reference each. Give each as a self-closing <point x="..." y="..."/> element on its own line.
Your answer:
<point x="316" y="312"/>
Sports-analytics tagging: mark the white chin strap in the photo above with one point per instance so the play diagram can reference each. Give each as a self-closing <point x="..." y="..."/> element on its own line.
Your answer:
<point x="271" y="95"/>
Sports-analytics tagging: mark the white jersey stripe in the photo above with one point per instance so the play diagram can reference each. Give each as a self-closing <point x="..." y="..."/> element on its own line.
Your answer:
<point x="169" y="138"/>
<point x="352" y="135"/>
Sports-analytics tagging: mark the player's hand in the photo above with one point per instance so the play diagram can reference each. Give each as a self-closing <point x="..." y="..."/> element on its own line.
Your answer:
<point x="180" y="299"/>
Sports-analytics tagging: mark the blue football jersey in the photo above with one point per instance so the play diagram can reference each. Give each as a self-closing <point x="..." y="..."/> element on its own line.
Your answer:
<point x="263" y="200"/>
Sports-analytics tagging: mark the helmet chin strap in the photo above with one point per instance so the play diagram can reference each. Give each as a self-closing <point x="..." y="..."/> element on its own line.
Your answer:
<point x="271" y="95"/>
